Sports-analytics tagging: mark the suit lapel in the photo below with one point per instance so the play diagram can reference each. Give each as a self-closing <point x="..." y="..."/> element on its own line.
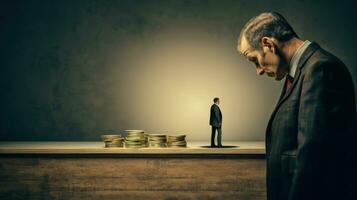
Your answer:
<point x="305" y="56"/>
<point x="284" y="95"/>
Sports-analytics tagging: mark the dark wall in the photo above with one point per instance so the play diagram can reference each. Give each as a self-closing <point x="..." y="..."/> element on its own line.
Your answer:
<point x="72" y="70"/>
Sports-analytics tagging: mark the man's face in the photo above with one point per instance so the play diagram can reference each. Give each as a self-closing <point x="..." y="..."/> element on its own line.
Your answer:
<point x="217" y="102"/>
<point x="267" y="61"/>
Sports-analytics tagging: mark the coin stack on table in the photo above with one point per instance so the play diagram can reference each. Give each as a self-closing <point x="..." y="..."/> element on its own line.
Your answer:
<point x="136" y="139"/>
<point x="113" y="140"/>
<point x="177" y="141"/>
<point x="157" y="140"/>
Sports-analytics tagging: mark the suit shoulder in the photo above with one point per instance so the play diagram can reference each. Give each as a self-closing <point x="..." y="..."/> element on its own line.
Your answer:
<point x="325" y="69"/>
<point x="215" y="107"/>
<point x="326" y="63"/>
<point x="323" y="57"/>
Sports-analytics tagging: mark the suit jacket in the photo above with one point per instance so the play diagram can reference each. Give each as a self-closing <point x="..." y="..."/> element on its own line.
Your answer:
<point x="311" y="135"/>
<point x="215" y="116"/>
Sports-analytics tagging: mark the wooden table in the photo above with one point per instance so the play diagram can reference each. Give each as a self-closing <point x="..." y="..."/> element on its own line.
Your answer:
<point x="87" y="170"/>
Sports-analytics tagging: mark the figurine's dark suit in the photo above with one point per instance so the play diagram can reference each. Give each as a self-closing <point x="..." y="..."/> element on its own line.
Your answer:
<point x="216" y="122"/>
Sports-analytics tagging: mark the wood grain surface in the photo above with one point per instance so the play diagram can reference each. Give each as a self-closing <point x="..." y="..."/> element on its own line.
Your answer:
<point x="132" y="178"/>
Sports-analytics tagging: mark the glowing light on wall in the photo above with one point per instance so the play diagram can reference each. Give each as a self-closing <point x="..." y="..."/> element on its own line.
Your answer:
<point x="166" y="85"/>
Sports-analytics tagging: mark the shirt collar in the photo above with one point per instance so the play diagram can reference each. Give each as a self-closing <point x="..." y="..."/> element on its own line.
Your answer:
<point x="296" y="57"/>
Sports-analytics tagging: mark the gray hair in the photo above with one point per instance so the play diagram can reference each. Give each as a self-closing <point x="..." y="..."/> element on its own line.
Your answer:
<point x="269" y="24"/>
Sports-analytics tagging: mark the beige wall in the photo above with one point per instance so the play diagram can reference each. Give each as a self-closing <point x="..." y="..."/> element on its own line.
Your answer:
<point x="73" y="70"/>
<point x="168" y="84"/>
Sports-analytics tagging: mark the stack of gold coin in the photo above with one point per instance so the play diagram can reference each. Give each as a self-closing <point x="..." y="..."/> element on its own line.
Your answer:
<point x="177" y="141"/>
<point x="113" y="140"/>
<point x="135" y="139"/>
<point x="157" y="140"/>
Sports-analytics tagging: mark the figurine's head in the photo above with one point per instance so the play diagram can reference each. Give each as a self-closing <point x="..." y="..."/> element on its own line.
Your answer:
<point x="216" y="100"/>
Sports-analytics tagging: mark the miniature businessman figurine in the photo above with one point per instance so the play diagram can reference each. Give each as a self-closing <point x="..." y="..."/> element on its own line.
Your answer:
<point x="216" y="122"/>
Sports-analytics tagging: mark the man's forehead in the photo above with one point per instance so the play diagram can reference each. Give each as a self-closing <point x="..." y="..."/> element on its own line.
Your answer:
<point x="245" y="48"/>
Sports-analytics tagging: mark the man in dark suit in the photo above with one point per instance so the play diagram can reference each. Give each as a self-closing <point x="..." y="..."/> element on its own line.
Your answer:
<point x="311" y="135"/>
<point x="215" y="121"/>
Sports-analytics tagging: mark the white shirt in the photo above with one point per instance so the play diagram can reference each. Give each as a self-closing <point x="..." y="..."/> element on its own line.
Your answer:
<point x="297" y="56"/>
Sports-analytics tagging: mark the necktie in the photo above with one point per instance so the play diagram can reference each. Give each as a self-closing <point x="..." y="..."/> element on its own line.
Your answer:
<point x="289" y="82"/>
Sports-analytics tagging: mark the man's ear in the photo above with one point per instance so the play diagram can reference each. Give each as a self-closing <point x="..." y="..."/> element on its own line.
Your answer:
<point x="267" y="44"/>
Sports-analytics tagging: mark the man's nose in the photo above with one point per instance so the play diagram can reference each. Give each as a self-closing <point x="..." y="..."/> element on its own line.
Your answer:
<point x="260" y="71"/>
